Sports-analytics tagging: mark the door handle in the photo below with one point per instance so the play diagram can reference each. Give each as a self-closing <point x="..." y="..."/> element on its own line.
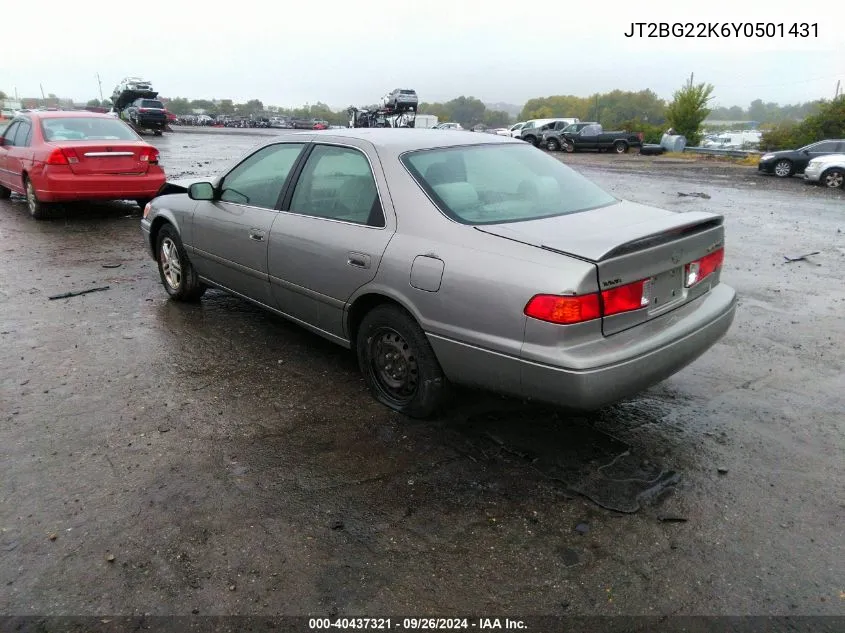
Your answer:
<point x="256" y="234"/>
<point x="359" y="260"/>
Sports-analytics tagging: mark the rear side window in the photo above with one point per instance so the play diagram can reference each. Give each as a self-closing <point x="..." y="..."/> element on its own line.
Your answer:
<point x="23" y="134"/>
<point x="337" y="183"/>
<point x="86" y="129"/>
<point x="826" y="147"/>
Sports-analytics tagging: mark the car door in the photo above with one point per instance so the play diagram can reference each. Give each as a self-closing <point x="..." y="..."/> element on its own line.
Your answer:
<point x="6" y="176"/>
<point x="20" y="155"/>
<point x="329" y="238"/>
<point x="230" y="232"/>
<point x="588" y="137"/>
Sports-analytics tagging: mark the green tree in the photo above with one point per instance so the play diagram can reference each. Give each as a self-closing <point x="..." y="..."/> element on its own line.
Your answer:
<point x="3" y="95"/>
<point x="94" y="103"/>
<point x="226" y="106"/>
<point x="204" y="104"/>
<point x="688" y="110"/>
<point x="827" y="122"/>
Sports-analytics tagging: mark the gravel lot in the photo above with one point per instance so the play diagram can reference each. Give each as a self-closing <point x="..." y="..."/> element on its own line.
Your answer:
<point x="232" y="463"/>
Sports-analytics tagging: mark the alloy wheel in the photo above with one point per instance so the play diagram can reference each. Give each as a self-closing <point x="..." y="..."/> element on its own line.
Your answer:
<point x="834" y="179"/>
<point x="171" y="266"/>
<point x="783" y="168"/>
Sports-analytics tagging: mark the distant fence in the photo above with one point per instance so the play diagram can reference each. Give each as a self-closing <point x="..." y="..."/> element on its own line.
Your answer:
<point x="735" y="153"/>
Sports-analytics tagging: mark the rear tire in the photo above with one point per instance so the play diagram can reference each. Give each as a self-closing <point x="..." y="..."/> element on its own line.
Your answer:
<point x="178" y="276"/>
<point x="398" y="363"/>
<point x="37" y="209"/>
<point x="530" y="139"/>
<point x="833" y="178"/>
<point x="620" y="147"/>
<point x="553" y="145"/>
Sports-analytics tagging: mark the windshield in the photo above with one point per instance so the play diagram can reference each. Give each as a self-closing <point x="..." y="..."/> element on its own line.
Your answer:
<point x="86" y="129"/>
<point x="492" y="184"/>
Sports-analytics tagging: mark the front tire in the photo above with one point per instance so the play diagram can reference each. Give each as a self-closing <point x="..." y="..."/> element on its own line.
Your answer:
<point x="178" y="276"/>
<point x="398" y="363"/>
<point x="5" y="192"/>
<point x="833" y="178"/>
<point x="783" y="168"/>
<point x="568" y="147"/>
<point x="37" y="209"/>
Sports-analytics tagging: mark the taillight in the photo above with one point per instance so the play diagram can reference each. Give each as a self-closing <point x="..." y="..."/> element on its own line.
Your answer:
<point x="626" y="298"/>
<point x="579" y="308"/>
<point x="700" y="269"/>
<point x="142" y="110"/>
<point x="564" y="310"/>
<point x="62" y="157"/>
<point x="148" y="155"/>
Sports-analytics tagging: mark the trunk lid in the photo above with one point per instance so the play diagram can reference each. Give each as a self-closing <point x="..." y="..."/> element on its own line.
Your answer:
<point x="98" y="157"/>
<point x="629" y="242"/>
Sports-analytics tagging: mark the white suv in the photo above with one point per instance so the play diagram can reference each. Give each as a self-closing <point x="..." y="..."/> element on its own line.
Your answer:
<point x="828" y="170"/>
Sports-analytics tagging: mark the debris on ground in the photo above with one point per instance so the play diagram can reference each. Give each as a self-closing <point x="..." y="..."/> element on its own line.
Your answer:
<point x="52" y="536"/>
<point x="671" y="518"/>
<point x="582" y="528"/>
<point x="694" y="194"/>
<point x="118" y="265"/>
<point x="723" y="470"/>
<point x="800" y="258"/>
<point x="110" y="558"/>
<point x="78" y="292"/>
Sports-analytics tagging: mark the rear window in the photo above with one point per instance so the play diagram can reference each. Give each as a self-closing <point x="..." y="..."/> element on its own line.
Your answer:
<point x="147" y="103"/>
<point x="492" y="184"/>
<point x="86" y="129"/>
<point x="407" y="92"/>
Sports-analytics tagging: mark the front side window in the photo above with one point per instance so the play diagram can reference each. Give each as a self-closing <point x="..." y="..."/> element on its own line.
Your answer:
<point x="258" y="181"/>
<point x="9" y="134"/>
<point x="337" y="183"/>
<point x="86" y="129"/>
<point x="492" y="184"/>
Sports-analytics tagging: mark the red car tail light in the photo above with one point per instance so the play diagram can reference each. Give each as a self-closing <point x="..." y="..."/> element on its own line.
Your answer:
<point x="62" y="157"/>
<point x="564" y="310"/>
<point x="700" y="269"/>
<point x="148" y="155"/>
<point x="626" y="298"/>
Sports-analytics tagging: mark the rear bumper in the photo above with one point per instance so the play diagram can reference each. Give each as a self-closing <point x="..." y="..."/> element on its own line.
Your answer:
<point x="688" y="335"/>
<point x="150" y="121"/>
<point x="67" y="187"/>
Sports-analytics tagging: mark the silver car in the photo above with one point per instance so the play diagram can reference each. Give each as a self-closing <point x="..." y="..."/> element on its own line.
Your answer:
<point x="442" y="256"/>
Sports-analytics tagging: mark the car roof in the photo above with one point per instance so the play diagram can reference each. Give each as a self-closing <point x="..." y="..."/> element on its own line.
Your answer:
<point x="398" y="140"/>
<point x="63" y="114"/>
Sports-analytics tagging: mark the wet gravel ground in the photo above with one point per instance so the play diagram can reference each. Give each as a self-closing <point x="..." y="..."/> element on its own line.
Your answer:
<point x="214" y="459"/>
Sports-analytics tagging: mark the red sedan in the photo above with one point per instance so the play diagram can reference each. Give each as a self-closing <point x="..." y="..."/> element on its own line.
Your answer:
<point x="63" y="156"/>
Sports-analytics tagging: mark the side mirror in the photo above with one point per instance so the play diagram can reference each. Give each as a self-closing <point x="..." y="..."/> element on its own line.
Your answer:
<point x="201" y="191"/>
<point x="807" y="152"/>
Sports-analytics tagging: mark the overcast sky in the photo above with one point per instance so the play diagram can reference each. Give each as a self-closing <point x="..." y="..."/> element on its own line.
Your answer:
<point x="289" y="53"/>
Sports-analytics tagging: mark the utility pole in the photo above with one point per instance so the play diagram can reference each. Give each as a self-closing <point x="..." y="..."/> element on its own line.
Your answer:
<point x="100" y="83"/>
<point x="691" y="75"/>
<point x="838" y="81"/>
<point x="43" y="98"/>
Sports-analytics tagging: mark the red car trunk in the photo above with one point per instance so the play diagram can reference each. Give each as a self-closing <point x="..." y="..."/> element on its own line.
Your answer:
<point x="97" y="157"/>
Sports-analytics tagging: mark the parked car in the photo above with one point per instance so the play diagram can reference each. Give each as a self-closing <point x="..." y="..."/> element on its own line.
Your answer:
<point x="793" y="161"/>
<point x="513" y="131"/>
<point x="551" y="138"/>
<point x="532" y="131"/>
<point x="147" y="114"/>
<point x="402" y="99"/>
<point x="594" y="137"/>
<point x="490" y="264"/>
<point x="449" y="125"/>
<point x="133" y="83"/>
<point x="62" y="156"/>
<point x="827" y="170"/>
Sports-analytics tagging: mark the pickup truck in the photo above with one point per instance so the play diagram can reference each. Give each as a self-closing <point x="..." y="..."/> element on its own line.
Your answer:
<point x="594" y="137"/>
